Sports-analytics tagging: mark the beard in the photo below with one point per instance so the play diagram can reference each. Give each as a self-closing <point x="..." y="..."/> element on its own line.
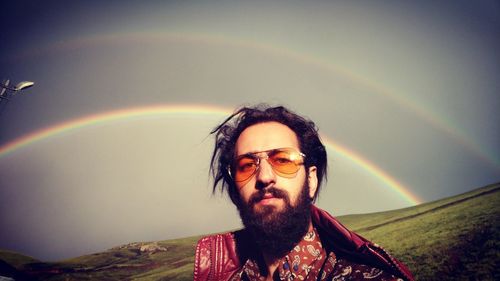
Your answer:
<point x="276" y="232"/>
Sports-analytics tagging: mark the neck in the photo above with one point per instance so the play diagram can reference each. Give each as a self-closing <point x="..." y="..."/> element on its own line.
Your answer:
<point x="271" y="264"/>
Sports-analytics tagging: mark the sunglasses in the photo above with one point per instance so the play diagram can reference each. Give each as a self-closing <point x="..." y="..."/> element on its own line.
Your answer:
<point x="285" y="162"/>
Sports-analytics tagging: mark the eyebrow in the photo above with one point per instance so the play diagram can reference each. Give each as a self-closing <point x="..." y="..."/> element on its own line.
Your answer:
<point x="250" y="153"/>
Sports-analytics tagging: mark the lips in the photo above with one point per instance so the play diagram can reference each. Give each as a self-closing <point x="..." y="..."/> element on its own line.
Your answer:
<point x="266" y="196"/>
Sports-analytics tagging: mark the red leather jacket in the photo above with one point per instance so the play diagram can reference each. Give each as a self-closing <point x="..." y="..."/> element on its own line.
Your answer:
<point x="219" y="256"/>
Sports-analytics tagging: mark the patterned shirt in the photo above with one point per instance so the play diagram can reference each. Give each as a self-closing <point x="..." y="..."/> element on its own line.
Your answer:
<point x="307" y="261"/>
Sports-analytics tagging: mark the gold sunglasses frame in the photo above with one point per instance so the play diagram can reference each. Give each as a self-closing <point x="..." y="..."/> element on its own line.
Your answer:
<point x="256" y="156"/>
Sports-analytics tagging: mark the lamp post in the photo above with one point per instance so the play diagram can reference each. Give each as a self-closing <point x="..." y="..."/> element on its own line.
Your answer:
<point x="7" y="92"/>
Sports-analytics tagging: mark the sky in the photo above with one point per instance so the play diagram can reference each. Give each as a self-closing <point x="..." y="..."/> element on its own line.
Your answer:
<point x="112" y="144"/>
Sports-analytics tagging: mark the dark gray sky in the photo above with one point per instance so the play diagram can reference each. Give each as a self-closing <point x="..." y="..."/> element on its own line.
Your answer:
<point x="409" y="88"/>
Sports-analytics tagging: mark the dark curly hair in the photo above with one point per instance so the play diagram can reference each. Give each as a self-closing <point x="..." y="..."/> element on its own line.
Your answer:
<point x="227" y="133"/>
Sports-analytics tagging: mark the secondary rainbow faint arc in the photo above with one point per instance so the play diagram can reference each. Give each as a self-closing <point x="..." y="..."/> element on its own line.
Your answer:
<point x="421" y="111"/>
<point x="156" y="110"/>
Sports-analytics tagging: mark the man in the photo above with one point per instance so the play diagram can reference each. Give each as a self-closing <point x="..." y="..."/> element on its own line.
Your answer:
<point x="271" y="162"/>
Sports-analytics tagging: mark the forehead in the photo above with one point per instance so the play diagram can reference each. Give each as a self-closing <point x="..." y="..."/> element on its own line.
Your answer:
<point x="266" y="136"/>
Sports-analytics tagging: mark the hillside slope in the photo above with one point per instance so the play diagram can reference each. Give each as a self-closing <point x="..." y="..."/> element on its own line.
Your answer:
<point x="456" y="238"/>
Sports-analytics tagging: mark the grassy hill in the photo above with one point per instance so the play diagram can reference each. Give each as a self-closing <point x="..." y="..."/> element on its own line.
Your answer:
<point x="457" y="238"/>
<point x="162" y="260"/>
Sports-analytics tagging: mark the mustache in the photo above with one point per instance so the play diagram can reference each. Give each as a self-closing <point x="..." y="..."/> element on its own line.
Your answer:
<point x="275" y="192"/>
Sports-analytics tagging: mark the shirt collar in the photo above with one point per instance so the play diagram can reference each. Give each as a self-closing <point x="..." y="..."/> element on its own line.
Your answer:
<point x="305" y="260"/>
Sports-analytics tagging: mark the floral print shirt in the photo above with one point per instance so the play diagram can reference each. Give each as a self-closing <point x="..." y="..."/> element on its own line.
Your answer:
<point x="307" y="261"/>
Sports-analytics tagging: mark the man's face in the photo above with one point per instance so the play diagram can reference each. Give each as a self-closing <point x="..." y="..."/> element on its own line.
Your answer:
<point x="263" y="137"/>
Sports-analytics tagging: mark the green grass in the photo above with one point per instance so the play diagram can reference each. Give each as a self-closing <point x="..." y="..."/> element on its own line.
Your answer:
<point x="14" y="259"/>
<point x="456" y="238"/>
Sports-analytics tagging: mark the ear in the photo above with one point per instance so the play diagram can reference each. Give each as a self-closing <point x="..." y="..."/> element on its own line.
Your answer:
<point x="312" y="180"/>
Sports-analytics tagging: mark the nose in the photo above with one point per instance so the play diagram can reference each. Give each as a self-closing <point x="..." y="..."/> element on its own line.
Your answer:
<point x="265" y="176"/>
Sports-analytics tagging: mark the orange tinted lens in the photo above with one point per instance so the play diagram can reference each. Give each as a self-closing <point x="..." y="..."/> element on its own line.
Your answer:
<point x="285" y="161"/>
<point x="245" y="167"/>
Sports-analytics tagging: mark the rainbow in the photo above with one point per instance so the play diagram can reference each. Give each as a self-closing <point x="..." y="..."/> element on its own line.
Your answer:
<point x="160" y="110"/>
<point x="432" y="118"/>
<point x="371" y="168"/>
